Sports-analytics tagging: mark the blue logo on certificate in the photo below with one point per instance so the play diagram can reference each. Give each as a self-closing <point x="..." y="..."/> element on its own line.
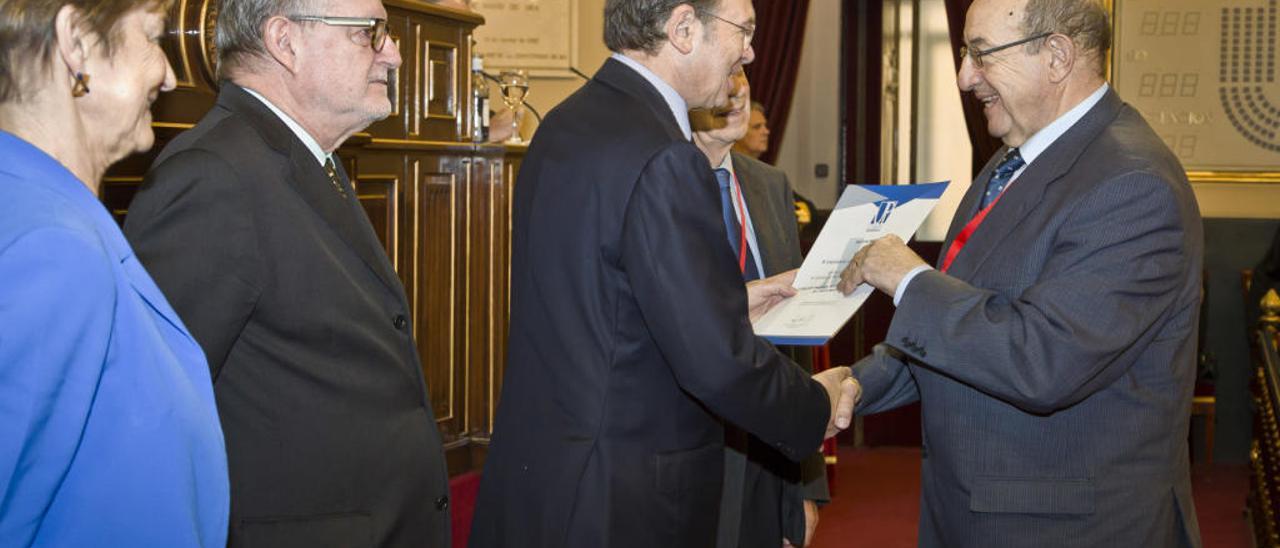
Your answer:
<point x="883" y="210"/>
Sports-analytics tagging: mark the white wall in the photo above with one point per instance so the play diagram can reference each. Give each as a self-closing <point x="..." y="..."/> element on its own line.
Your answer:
<point x="547" y="92"/>
<point x="942" y="144"/>
<point x="813" y="129"/>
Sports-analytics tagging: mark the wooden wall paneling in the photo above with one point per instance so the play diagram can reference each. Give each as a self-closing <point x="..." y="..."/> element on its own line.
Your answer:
<point x="436" y="280"/>
<point x="378" y="179"/>
<point x="486" y="236"/>
<point x="513" y="158"/>
<point x="441" y="67"/>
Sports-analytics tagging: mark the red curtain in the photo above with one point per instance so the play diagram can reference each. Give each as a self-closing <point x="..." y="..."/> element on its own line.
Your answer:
<point x="984" y="145"/>
<point x="778" y="40"/>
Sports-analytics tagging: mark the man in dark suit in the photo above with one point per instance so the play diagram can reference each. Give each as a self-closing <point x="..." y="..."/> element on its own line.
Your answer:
<point x="253" y="231"/>
<point x="630" y="339"/>
<point x="1053" y="351"/>
<point x="768" y="500"/>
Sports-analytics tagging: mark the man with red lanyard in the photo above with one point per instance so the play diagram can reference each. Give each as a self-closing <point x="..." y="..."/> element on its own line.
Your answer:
<point x="1053" y="350"/>
<point x="767" y="500"/>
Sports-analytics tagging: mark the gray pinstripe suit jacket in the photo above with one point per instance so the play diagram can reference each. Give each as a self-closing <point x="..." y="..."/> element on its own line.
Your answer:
<point x="1055" y="361"/>
<point x="764" y="492"/>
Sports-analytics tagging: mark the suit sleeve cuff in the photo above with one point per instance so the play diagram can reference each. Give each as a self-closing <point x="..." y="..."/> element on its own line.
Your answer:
<point x="906" y="280"/>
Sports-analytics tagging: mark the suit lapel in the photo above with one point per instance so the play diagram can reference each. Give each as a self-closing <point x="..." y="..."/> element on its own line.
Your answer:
<point x="362" y="237"/>
<point x="969" y="203"/>
<point x="1025" y="193"/>
<point x="623" y="78"/>
<point x="762" y="218"/>
<point x="307" y="178"/>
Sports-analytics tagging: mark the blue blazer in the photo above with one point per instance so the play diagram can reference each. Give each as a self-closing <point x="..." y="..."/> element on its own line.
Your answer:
<point x="108" y="431"/>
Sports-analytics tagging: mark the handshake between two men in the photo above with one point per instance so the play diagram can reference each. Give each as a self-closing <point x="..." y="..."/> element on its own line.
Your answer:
<point x="884" y="264"/>
<point x="842" y="390"/>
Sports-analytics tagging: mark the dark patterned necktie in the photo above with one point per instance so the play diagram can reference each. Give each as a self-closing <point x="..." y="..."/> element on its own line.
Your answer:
<point x="731" y="224"/>
<point x="332" y="172"/>
<point x="1011" y="163"/>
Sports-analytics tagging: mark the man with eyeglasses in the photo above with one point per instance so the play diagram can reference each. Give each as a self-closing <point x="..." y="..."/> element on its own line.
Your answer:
<point x="252" y="229"/>
<point x="768" y="501"/>
<point x="630" y="341"/>
<point x="1053" y="347"/>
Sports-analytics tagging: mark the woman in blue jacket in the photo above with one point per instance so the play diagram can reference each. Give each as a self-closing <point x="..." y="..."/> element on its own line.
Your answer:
<point x="108" y="431"/>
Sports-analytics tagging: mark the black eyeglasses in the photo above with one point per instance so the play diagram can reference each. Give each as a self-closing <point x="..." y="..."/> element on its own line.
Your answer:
<point x="747" y="31"/>
<point x="977" y="54"/>
<point x="375" y="29"/>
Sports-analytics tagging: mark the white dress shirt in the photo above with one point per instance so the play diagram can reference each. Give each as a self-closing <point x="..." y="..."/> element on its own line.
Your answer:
<point x="306" y="138"/>
<point x="675" y="102"/>
<point x="743" y="213"/>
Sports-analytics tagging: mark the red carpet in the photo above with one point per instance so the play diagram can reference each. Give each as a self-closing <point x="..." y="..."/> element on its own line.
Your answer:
<point x="462" y="506"/>
<point x="876" y="501"/>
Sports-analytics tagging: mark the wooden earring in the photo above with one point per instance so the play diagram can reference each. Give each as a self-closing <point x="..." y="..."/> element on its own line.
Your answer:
<point x="81" y="87"/>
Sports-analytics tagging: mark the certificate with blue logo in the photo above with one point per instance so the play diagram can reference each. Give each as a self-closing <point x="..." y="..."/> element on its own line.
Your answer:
<point x="863" y="214"/>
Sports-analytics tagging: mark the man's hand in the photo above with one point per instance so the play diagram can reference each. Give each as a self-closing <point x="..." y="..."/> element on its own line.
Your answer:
<point x="764" y="294"/>
<point x="882" y="263"/>
<point x="810" y="521"/>
<point x="810" y="524"/>
<point x="844" y="392"/>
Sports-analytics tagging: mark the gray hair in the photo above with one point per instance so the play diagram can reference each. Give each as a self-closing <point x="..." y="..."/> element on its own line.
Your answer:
<point x="28" y="38"/>
<point x="757" y="106"/>
<point x="638" y="24"/>
<point x="1085" y="21"/>
<point x="238" y="37"/>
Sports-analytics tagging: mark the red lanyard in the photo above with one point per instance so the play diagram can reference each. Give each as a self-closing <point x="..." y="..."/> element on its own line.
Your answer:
<point x="968" y="231"/>
<point x="738" y="212"/>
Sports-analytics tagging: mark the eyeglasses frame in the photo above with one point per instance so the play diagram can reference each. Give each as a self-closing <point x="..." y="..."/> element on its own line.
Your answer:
<point x="373" y="24"/>
<point x="977" y="54"/>
<point x="748" y="33"/>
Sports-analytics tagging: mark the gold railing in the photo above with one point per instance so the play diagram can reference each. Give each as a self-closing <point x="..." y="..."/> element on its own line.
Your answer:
<point x="1264" y="454"/>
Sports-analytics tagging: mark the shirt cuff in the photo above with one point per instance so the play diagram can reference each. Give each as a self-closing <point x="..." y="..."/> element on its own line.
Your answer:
<point x="906" y="280"/>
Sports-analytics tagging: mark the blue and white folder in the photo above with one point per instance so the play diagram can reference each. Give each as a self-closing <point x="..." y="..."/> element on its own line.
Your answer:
<point x="863" y="214"/>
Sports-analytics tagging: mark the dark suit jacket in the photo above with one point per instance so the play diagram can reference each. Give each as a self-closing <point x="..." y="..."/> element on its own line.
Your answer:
<point x="764" y="492"/>
<point x="629" y="339"/>
<point x="330" y="435"/>
<point x="1055" y="362"/>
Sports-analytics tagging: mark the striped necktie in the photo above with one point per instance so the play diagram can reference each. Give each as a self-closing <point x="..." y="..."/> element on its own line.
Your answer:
<point x="1011" y="163"/>
<point x="332" y="172"/>
<point x="737" y="235"/>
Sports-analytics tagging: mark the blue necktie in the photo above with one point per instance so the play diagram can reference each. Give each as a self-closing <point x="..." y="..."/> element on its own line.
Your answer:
<point x="731" y="224"/>
<point x="1011" y="163"/>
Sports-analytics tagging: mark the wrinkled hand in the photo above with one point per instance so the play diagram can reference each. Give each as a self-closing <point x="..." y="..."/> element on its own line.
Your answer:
<point x="763" y="295"/>
<point x="844" y="392"/>
<point x="882" y="263"/>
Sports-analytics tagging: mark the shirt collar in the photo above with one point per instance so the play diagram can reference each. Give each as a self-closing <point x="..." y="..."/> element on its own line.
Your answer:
<point x="727" y="165"/>
<point x="1041" y="141"/>
<point x="306" y="138"/>
<point x="674" y="101"/>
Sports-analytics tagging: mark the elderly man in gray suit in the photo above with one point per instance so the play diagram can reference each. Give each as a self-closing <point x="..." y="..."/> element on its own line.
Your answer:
<point x="1053" y="348"/>
<point x="768" y="501"/>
